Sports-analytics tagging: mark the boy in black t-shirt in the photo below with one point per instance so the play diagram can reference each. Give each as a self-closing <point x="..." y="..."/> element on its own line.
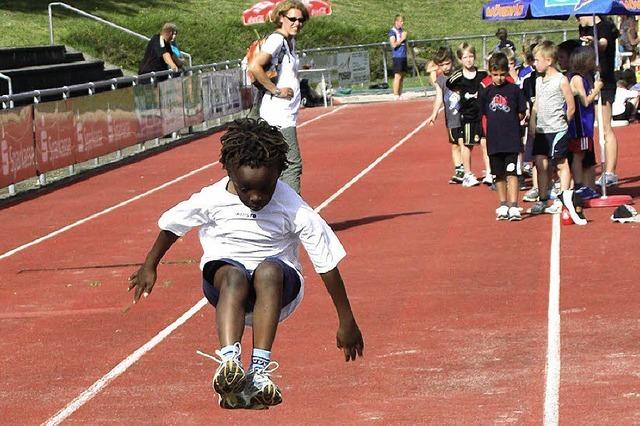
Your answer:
<point x="504" y="106"/>
<point x="466" y="82"/>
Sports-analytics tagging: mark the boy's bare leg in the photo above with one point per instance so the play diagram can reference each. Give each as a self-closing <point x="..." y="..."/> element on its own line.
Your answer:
<point x="268" y="282"/>
<point x="543" y="177"/>
<point x="501" y="189"/>
<point x="589" y="176"/>
<point x="233" y="287"/>
<point x="611" y="146"/>
<point x="397" y="84"/>
<point x="576" y="168"/>
<point x="485" y="156"/>
<point x="564" y="173"/>
<point x="456" y="156"/>
<point x="465" y="154"/>
<point x="512" y="190"/>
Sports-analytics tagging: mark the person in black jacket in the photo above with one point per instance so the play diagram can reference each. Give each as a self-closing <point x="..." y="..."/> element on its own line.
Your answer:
<point x="157" y="55"/>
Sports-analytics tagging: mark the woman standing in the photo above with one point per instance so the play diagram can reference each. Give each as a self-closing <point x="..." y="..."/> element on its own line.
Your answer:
<point x="281" y="99"/>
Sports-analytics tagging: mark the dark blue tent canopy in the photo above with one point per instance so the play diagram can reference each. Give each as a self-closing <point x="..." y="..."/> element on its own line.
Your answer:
<point x="500" y="10"/>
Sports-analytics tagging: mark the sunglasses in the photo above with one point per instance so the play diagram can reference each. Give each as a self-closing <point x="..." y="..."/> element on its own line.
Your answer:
<point x="293" y="19"/>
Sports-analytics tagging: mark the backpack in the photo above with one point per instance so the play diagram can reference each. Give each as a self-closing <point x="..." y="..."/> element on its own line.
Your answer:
<point x="272" y="73"/>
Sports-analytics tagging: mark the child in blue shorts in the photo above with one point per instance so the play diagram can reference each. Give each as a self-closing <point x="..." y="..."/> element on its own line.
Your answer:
<point x="250" y="225"/>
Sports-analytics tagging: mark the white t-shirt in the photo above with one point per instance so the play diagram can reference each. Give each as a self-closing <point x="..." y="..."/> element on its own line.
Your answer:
<point x="622" y="95"/>
<point x="229" y="229"/>
<point x="279" y="111"/>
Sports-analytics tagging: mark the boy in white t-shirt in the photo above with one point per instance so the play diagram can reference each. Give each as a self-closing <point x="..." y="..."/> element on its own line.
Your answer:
<point x="250" y="226"/>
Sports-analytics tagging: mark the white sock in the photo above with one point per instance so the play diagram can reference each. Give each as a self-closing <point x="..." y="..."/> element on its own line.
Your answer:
<point x="260" y="359"/>
<point x="230" y="351"/>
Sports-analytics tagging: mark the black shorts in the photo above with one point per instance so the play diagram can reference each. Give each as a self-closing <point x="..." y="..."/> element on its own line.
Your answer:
<point x="290" y="287"/>
<point x="504" y="164"/>
<point x="554" y="146"/>
<point x="608" y="96"/>
<point x="400" y="65"/>
<point x="471" y="133"/>
<point x="455" y="134"/>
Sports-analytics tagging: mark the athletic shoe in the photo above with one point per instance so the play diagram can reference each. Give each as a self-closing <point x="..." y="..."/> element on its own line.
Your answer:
<point x="554" y="208"/>
<point x="573" y="203"/>
<point x="502" y="213"/>
<point x="260" y="392"/>
<point x="610" y="179"/>
<point x="470" y="180"/>
<point x="587" y="193"/>
<point x="531" y="195"/>
<point x="487" y="180"/>
<point x="554" y="194"/>
<point x="229" y="380"/>
<point x="527" y="169"/>
<point x="458" y="176"/>
<point x="625" y="214"/>
<point x="538" y="208"/>
<point x="514" y="214"/>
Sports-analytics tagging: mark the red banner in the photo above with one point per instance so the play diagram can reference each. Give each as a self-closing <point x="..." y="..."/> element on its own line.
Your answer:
<point x="122" y="121"/>
<point x="147" y="103"/>
<point x="17" y="147"/>
<point x="92" y="126"/>
<point x="55" y="135"/>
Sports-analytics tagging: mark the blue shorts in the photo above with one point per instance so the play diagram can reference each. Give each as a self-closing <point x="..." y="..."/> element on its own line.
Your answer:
<point x="554" y="146"/>
<point x="290" y="287"/>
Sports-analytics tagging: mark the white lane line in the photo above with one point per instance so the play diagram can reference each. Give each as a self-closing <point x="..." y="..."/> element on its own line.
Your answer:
<point x="552" y="385"/>
<point x="131" y="200"/>
<point x="94" y="389"/>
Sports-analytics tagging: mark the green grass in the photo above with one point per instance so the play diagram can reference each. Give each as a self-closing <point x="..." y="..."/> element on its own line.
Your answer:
<point x="211" y="30"/>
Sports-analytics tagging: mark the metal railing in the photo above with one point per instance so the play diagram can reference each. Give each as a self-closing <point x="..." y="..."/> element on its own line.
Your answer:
<point x="6" y="77"/>
<point x="102" y="21"/>
<point x="65" y="91"/>
<point x="386" y="46"/>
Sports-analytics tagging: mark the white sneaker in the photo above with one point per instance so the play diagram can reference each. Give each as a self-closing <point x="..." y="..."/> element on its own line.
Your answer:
<point x="229" y="380"/>
<point x="575" y="211"/>
<point x="502" y="213"/>
<point x="470" y="180"/>
<point x="260" y="392"/>
<point x="487" y="180"/>
<point x="514" y="214"/>
<point x="554" y="208"/>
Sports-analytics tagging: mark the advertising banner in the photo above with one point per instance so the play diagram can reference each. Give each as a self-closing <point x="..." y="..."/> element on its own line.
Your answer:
<point x="231" y="88"/>
<point x="353" y="68"/>
<point x="171" y="105"/>
<point x="92" y="126"/>
<point x="212" y="95"/>
<point x="147" y="108"/>
<point x="55" y="134"/>
<point x="121" y="119"/>
<point x="192" y="95"/>
<point x="17" y="147"/>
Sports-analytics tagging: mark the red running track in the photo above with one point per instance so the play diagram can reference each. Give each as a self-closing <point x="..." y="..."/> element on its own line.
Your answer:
<point x="453" y="305"/>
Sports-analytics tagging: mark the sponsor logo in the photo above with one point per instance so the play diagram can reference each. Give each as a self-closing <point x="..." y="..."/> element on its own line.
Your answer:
<point x="247" y="215"/>
<point x="471" y="95"/>
<point x="502" y="11"/>
<point x="499" y="102"/>
<point x="633" y="5"/>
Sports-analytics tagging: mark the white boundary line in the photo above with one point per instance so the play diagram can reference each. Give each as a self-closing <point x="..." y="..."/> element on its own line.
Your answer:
<point x="552" y="385"/>
<point x="94" y="389"/>
<point x="131" y="200"/>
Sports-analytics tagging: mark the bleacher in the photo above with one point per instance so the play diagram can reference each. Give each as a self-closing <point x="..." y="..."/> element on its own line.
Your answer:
<point x="45" y="67"/>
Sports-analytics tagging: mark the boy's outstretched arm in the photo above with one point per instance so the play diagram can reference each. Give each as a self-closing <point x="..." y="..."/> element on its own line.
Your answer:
<point x="145" y="277"/>
<point x="348" y="337"/>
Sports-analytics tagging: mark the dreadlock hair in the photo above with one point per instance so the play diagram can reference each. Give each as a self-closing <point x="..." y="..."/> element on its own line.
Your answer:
<point x="253" y="143"/>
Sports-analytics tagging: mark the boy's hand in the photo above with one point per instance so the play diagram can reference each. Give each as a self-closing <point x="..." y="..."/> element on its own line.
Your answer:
<point x="143" y="280"/>
<point x="431" y="120"/>
<point x="598" y="85"/>
<point x="349" y="339"/>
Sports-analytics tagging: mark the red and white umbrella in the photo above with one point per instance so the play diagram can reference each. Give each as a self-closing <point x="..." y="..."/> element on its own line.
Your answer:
<point x="260" y="12"/>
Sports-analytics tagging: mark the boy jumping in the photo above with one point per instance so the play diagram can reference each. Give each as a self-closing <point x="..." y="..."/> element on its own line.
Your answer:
<point x="250" y="226"/>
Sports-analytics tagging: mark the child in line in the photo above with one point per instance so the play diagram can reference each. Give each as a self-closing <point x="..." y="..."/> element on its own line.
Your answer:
<point x="443" y="60"/>
<point x="250" y="226"/>
<point x="526" y="80"/>
<point x="553" y="109"/>
<point x="582" y="64"/>
<point x="504" y="107"/>
<point x="466" y="82"/>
